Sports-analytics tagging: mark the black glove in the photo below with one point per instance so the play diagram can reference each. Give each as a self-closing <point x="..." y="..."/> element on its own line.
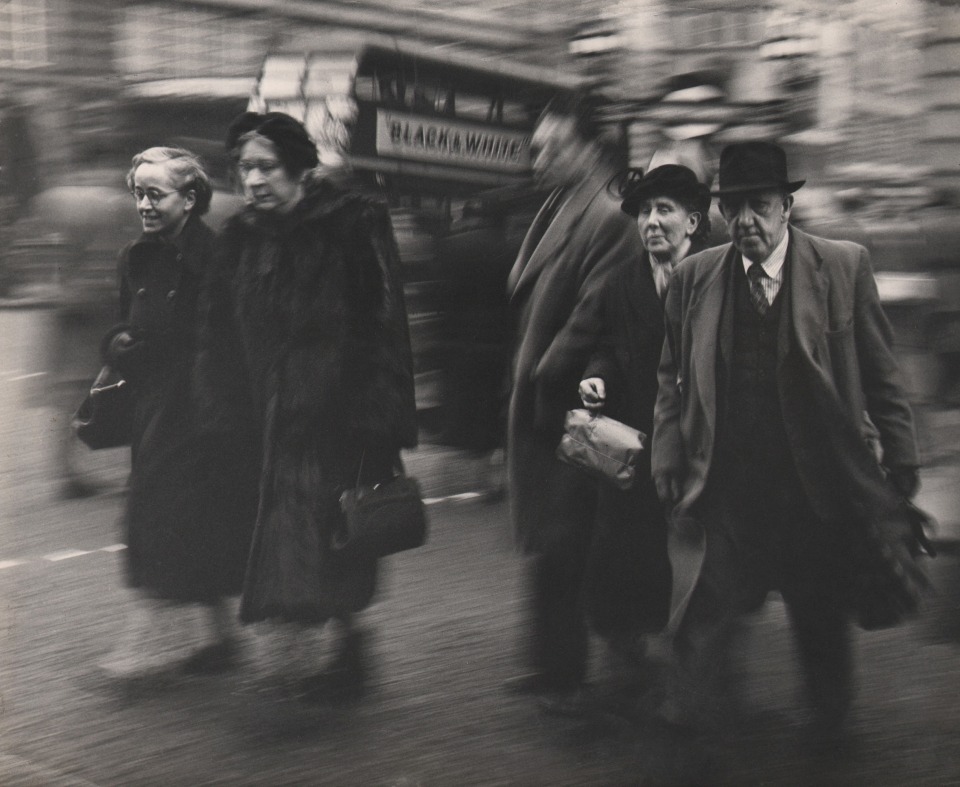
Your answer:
<point x="127" y="354"/>
<point x="905" y="480"/>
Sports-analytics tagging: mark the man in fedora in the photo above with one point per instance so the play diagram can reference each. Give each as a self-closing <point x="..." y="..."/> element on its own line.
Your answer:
<point x="781" y="426"/>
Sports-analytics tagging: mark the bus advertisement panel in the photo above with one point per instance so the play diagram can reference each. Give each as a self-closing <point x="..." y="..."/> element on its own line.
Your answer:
<point x="443" y="141"/>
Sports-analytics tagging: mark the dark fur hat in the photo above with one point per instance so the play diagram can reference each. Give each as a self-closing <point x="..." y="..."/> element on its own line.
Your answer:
<point x="296" y="150"/>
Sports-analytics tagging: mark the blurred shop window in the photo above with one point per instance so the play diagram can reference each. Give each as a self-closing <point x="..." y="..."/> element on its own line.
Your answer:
<point x="699" y="29"/>
<point x="23" y="33"/>
<point x="18" y="162"/>
<point x="156" y="42"/>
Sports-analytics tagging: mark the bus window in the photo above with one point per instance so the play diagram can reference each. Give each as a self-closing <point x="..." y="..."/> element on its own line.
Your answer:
<point x="474" y="107"/>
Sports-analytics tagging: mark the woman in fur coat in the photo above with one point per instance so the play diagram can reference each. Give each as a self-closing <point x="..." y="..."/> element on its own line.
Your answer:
<point x="312" y="299"/>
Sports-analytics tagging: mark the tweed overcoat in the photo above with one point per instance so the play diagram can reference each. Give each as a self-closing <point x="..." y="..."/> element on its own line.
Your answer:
<point x="190" y="508"/>
<point x="838" y="381"/>
<point x="555" y="290"/>
<point x="309" y="324"/>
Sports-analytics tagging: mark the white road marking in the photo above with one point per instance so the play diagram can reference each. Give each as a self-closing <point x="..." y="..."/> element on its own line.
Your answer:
<point x="429" y="501"/>
<point x="56" y="557"/>
<point x="26" y="376"/>
<point x="66" y="554"/>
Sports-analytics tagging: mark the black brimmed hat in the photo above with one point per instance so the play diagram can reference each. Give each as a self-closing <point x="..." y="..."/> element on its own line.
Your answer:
<point x="753" y="166"/>
<point x="670" y="180"/>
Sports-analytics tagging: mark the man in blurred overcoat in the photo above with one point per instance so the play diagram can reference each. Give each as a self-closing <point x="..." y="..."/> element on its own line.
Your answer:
<point x="777" y="375"/>
<point x="578" y="237"/>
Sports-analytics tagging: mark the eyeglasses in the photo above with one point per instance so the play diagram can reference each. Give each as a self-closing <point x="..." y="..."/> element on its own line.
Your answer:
<point x="153" y="195"/>
<point x="266" y="166"/>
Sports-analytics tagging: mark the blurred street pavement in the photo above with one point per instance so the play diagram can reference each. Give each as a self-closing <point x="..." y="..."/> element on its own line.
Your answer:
<point x="447" y="628"/>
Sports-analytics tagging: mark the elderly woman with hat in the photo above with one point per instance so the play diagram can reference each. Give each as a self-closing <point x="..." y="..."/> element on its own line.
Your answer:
<point x="309" y="299"/>
<point x="671" y="208"/>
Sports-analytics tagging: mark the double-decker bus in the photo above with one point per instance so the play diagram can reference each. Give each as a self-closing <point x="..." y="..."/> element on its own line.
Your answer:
<point x="446" y="136"/>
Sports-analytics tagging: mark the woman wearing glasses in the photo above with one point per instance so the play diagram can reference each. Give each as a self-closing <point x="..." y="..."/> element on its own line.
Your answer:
<point x="312" y="294"/>
<point x="186" y="509"/>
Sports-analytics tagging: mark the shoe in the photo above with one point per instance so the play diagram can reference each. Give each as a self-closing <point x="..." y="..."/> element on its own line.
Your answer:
<point x="675" y="721"/>
<point x="212" y="660"/>
<point x="345" y="680"/>
<point x="331" y="687"/>
<point x="75" y="489"/>
<point x="531" y="683"/>
<point x="828" y="736"/>
<point x="571" y="704"/>
<point x="628" y="670"/>
<point x="131" y="669"/>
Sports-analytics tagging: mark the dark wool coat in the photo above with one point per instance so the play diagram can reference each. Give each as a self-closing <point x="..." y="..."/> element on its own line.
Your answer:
<point x="474" y="348"/>
<point x="556" y="288"/>
<point x="628" y="354"/>
<point x="189" y="512"/>
<point x="836" y="365"/>
<point x="312" y="302"/>
<point x="626" y="358"/>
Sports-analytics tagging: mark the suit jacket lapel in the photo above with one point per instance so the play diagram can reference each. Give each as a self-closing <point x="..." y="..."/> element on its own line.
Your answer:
<point x="712" y="324"/>
<point x="641" y="293"/>
<point x="807" y="299"/>
<point x="533" y="237"/>
<point x="555" y="236"/>
<point x="725" y="327"/>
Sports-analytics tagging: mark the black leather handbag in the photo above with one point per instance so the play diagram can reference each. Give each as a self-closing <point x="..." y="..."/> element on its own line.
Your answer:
<point x="382" y="519"/>
<point x="105" y="417"/>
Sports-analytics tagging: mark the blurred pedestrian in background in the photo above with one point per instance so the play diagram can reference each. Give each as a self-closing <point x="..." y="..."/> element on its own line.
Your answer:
<point x="189" y="513"/>
<point x="311" y="290"/>
<point x="474" y="348"/>
<point x="578" y="239"/>
<point x="776" y="348"/>
<point x="671" y="209"/>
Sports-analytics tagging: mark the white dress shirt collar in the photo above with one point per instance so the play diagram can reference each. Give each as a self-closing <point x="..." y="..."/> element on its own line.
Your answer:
<point x="773" y="264"/>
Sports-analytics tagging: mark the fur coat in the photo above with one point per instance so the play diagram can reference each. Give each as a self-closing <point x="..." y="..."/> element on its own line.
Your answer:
<point x="308" y="342"/>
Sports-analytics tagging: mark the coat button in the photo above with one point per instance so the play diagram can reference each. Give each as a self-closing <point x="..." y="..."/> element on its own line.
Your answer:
<point x="171" y="295"/>
<point x="142" y="292"/>
<point x="179" y="257"/>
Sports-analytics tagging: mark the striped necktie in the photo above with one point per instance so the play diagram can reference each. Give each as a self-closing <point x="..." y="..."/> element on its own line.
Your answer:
<point x="758" y="294"/>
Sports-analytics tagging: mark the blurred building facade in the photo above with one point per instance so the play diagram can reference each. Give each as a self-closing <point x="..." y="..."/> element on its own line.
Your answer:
<point x="68" y="61"/>
<point x="869" y="83"/>
<point x="865" y="86"/>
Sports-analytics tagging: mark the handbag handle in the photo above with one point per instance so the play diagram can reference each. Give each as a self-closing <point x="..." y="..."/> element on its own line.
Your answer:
<point x="399" y="471"/>
<point x="363" y="455"/>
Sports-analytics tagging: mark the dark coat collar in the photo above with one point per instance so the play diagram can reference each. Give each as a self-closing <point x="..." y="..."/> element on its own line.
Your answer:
<point x="641" y="290"/>
<point x="575" y="201"/>
<point x="191" y="247"/>
<point x="326" y="194"/>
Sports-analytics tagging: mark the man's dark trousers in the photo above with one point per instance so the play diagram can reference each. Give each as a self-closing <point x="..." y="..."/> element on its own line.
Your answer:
<point x="762" y="535"/>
